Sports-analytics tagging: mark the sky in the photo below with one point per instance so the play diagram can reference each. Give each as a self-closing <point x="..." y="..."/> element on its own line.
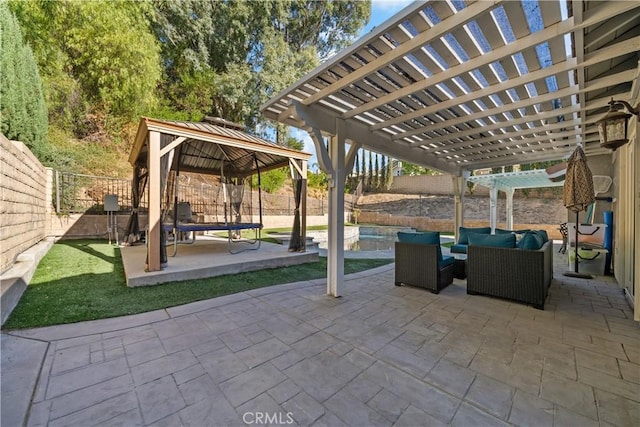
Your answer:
<point x="381" y="10"/>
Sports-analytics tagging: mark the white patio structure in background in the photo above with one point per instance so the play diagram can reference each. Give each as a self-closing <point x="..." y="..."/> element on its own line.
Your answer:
<point x="508" y="183"/>
<point x="460" y="85"/>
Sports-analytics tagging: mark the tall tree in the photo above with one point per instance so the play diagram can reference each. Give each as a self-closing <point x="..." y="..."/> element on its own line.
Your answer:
<point x="357" y="165"/>
<point x="383" y="173"/>
<point x="248" y="50"/>
<point x="389" y="181"/>
<point x="103" y="51"/>
<point x="376" y="182"/>
<point x="23" y="112"/>
<point x="370" y="180"/>
<point x="412" y="169"/>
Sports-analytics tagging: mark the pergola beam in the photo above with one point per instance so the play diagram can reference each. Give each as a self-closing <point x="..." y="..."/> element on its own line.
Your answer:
<point x="318" y="119"/>
<point x="513" y="159"/>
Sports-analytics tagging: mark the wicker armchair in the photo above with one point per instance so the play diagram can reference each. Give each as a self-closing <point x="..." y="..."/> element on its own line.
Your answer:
<point x="417" y="265"/>
<point x="516" y="274"/>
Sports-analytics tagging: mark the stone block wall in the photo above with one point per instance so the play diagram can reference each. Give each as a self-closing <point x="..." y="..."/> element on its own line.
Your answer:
<point x="428" y="184"/>
<point x="447" y="225"/>
<point x="23" y="200"/>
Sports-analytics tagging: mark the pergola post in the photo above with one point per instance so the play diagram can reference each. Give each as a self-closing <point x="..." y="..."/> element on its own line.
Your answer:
<point x="335" y="244"/>
<point x="493" y="208"/>
<point x="509" y="191"/>
<point x="459" y="186"/>
<point x="155" y="197"/>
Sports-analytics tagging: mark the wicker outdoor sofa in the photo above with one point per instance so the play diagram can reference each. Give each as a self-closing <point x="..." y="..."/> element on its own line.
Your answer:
<point x="522" y="275"/>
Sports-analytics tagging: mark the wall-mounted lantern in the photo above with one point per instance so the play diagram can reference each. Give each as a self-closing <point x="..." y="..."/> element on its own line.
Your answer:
<point x="613" y="126"/>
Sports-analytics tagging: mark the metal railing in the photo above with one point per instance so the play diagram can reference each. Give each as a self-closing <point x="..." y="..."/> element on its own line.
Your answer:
<point x="79" y="193"/>
<point x="76" y="193"/>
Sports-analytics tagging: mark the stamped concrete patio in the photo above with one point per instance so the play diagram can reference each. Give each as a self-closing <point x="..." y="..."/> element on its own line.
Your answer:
<point x="380" y="355"/>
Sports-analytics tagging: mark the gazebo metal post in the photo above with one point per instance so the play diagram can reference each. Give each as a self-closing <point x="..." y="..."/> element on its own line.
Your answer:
<point x="175" y="196"/>
<point x="259" y="192"/>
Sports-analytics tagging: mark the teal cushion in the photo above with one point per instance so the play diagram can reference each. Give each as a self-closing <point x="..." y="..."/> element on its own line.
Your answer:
<point x="543" y="234"/>
<point x="458" y="249"/>
<point x="463" y="233"/>
<point x="530" y="240"/>
<point x="423" y="238"/>
<point x="493" y="240"/>
<point x="502" y="231"/>
<point x="446" y="260"/>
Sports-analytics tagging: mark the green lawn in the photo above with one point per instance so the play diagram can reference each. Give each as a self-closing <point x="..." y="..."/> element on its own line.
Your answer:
<point x="84" y="280"/>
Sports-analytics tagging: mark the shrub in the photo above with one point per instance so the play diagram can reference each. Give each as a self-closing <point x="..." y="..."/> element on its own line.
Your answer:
<point x="273" y="180"/>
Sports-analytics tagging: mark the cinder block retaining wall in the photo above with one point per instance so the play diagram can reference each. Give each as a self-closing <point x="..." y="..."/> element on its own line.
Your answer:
<point x="23" y="200"/>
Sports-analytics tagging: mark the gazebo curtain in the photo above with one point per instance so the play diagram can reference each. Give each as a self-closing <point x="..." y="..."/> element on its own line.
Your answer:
<point x="167" y="191"/>
<point x="295" y="243"/>
<point x="137" y="190"/>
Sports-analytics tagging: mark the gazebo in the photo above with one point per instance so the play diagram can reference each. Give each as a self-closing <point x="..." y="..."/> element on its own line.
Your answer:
<point x="209" y="147"/>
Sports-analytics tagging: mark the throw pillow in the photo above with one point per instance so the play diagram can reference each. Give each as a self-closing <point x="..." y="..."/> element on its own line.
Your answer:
<point x="530" y="240"/>
<point x="502" y="231"/>
<point x="543" y="234"/>
<point x="493" y="240"/>
<point x="463" y="233"/>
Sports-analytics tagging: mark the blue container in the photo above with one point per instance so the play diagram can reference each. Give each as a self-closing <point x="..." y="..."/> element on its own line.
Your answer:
<point x="608" y="239"/>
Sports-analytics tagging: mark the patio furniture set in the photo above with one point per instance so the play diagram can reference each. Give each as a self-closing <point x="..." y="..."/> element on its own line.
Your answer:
<point x="514" y="265"/>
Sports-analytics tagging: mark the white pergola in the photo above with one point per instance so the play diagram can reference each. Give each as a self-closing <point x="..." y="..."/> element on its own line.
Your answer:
<point x="508" y="182"/>
<point x="462" y="85"/>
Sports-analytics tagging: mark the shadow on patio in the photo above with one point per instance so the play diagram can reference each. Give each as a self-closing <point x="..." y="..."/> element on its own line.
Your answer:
<point x="381" y="355"/>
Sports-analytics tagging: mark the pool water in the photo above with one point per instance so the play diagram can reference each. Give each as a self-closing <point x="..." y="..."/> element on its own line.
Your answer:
<point x="373" y="243"/>
<point x="366" y="243"/>
<point x="369" y="238"/>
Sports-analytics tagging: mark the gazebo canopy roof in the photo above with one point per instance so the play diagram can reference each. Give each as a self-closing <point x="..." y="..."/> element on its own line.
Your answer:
<point x="463" y="85"/>
<point x="537" y="178"/>
<point x="213" y="149"/>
